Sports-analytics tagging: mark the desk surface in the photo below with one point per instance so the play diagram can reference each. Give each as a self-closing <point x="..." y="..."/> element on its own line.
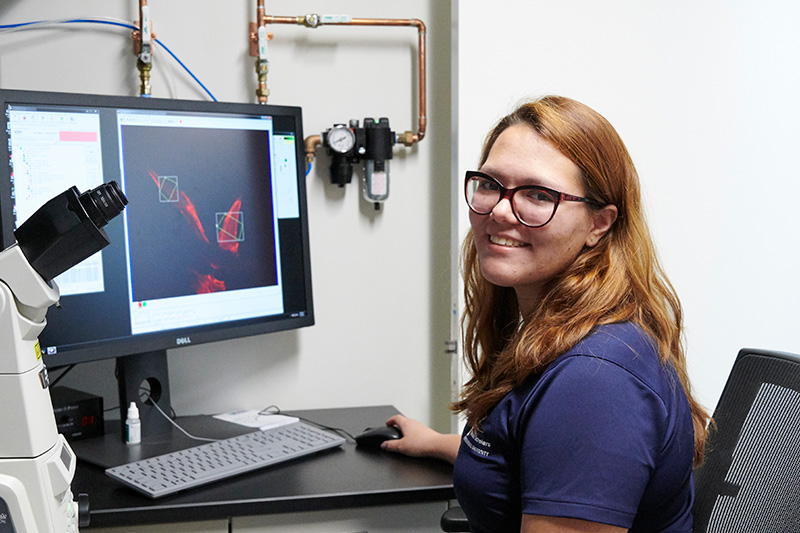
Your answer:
<point x="339" y="478"/>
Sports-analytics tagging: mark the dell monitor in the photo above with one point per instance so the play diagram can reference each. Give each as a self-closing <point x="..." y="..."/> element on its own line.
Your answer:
<point x="213" y="244"/>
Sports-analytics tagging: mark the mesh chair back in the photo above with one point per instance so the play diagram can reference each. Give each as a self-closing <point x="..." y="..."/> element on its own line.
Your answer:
<point x="750" y="479"/>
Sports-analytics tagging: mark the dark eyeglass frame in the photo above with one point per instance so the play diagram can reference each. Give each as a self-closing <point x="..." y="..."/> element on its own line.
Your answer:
<point x="557" y="196"/>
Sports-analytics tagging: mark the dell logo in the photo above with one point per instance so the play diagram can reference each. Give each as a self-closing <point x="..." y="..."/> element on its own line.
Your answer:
<point x="183" y="340"/>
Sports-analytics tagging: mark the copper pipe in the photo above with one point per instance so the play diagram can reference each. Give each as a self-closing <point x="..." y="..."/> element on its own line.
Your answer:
<point x="136" y="34"/>
<point x="270" y="19"/>
<point x="313" y="21"/>
<point x="260" y="12"/>
<point x="261" y="66"/>
<point x="143" y="66"/>
<point x="312" y="141"/>
<point x="142" y="3"/>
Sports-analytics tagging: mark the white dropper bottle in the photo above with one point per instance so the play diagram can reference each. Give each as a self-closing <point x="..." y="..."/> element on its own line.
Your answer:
<point x="133" y="426"/>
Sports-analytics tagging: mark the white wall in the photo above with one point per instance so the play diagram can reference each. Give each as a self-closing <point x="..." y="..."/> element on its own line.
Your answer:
<point x="381" y="280"/>
<point x="705" y="96"/>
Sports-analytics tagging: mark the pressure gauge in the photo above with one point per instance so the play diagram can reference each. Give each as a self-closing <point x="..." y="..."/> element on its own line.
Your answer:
<point x="341" y="139"/>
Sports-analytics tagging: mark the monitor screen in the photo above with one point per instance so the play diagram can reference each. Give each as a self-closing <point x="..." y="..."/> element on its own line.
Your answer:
<point x="214" y="241"/>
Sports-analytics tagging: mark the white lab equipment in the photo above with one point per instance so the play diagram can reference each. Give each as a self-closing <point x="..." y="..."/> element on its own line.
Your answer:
<point x="36" y="463"/>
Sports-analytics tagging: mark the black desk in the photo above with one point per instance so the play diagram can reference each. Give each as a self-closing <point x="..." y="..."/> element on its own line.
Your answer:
<point x="344" y="477"/>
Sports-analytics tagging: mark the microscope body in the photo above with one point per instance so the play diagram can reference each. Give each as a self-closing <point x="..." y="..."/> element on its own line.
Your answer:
<point x="36" y="463"/>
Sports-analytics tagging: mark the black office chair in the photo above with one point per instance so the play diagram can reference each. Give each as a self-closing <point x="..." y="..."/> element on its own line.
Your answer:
<point x="454" y="520"/>
<point x="750" y="479"/>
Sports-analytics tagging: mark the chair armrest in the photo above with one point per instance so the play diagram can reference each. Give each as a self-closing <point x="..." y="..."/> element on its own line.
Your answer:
<point x="454" y="520"/>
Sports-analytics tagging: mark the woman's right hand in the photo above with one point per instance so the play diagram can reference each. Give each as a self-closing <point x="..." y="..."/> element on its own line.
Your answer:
<point x="421" y="441"/>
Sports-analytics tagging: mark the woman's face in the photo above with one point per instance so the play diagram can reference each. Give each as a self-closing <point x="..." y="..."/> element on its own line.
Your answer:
<point x="514" y="255"/>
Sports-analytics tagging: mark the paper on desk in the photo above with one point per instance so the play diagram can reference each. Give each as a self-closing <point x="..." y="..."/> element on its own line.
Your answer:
<point x="256" y="419"/>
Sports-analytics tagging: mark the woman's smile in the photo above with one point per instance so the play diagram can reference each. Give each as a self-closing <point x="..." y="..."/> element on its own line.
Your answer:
<point x="505" y="241"/>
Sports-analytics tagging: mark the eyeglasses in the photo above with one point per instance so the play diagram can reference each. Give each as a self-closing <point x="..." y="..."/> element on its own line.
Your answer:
<point x="535" y="207"/>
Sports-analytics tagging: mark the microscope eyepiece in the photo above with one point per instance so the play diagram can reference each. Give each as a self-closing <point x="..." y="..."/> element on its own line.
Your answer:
<point x="69" y="228"/>
<point x="103" y="203"/>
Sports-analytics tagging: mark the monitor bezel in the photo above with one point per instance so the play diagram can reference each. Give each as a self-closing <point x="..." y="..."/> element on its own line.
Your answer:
<point x="149" y="342"/>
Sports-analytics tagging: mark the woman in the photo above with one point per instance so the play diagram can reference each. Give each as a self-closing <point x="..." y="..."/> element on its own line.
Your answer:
<point x="579" y="412"/>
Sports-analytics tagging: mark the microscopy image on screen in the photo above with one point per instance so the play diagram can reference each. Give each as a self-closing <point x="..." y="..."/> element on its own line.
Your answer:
<point x="198" y="222"/>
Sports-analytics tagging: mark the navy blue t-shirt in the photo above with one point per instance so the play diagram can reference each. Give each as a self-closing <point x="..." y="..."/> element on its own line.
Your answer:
<point x="603" y="434"/>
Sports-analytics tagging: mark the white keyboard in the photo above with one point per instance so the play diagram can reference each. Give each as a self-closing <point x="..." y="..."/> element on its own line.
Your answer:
<point x="192" y="467"/>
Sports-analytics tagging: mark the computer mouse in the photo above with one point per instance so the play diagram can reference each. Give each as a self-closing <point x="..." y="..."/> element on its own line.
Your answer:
<point x="374" y="437"/>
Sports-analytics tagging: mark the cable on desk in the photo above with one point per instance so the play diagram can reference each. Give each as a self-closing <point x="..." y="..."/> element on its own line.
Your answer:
<point x="171" y="421"/>
<point x="101" y="20"/>
<point x="275" y="410"/>
<point x="272" y="410"/>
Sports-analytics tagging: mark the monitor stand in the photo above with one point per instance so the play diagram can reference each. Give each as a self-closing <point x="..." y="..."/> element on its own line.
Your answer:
<point x="144" y="378"/>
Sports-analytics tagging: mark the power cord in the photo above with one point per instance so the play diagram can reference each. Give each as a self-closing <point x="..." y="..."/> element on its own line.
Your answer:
<point x="271" y="410"/>
<point x="171" y="421"/>
<point x="275" y="410"/>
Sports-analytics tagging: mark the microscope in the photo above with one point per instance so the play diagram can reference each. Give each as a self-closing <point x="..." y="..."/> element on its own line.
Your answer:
<point x="36" y="463"/>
